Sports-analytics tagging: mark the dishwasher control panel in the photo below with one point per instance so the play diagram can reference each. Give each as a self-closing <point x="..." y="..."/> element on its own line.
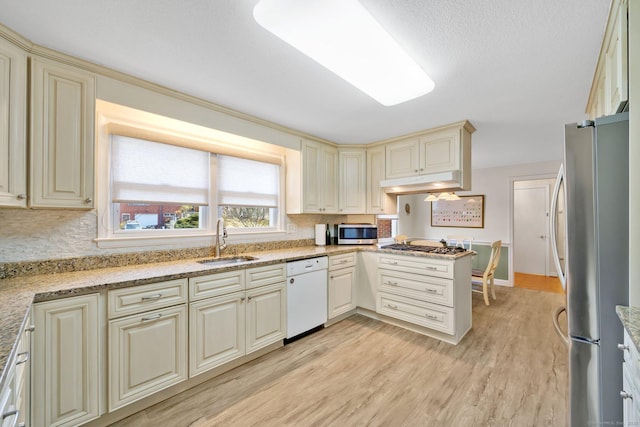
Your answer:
<point x="307" y="265"/>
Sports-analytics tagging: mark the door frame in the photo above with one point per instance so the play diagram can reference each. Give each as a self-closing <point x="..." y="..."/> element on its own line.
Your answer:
<point x="512" y="181"/>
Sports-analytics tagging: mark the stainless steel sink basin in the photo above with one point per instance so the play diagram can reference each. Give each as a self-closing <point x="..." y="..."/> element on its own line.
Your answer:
<point x="228" y="260"/>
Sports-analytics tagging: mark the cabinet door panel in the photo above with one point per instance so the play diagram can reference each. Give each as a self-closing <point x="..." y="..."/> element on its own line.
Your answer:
<point x="352" y="181"/>
<point x="13" y="110"/>
<point x="440" y="152"/>
<point x="402" y="158"/>
<point x="341" y="291"/>
<point x="311" y="169"/>
<point x="216" y="333"/>
<point x="147" y="353"/>
<point x="328" y="185"/>
<point x="62" y="136"/>
<point x="66" y="361"/>
<point x="266" y="316"/>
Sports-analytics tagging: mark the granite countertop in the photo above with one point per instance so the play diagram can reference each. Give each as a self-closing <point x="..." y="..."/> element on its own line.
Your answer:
<point x="17" y="294"/>
<point x="630" y="318"/>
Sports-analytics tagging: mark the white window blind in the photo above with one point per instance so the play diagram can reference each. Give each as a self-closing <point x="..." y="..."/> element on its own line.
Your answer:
<point x="243" y="182"/>
<point x="153" y="172"/>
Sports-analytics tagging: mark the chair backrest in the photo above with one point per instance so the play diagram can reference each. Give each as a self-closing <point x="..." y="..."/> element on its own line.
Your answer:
<point x="494" y="258"/>
<point x="459" y="241"/>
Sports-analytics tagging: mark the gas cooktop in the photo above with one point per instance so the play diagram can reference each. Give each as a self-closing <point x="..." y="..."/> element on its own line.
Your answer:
<point x="442" y="250"/>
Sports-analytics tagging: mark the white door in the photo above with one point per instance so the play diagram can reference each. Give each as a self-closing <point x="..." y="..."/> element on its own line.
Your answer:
<point x="530" y="230"/>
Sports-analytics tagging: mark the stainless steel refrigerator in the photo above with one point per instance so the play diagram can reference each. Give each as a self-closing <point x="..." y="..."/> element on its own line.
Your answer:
<point x="595" y="271"/>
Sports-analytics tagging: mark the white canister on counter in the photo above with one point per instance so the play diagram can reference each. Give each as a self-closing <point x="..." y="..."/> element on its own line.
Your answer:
<point x="321" y="234"/>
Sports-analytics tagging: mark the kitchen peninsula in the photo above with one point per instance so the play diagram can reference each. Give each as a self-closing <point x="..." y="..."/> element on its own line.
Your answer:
<point x="427" y="293"/>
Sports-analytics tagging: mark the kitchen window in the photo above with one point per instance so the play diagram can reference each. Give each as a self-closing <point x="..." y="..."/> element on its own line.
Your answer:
<point x="164" y="182"/>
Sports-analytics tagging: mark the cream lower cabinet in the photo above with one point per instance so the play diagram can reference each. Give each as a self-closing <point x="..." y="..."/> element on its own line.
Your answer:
<point x="216" y="331"/>
<point x="147" y="353"/>
<point x="266" y="316"/>
<point x="429" y="292"/>
<point x="630" y="392"/>
<point x="148" y="346"/>
<point x="342" y="284"/>
<point x="66" y="361"/>
<point x="226" y="321"/>
<point x="16" y="390"/>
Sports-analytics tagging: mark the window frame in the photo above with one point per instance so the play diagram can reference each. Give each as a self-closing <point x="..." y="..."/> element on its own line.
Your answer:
<point x="118" y="119"/>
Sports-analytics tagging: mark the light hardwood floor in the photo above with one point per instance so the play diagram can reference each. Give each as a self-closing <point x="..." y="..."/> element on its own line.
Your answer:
<point x="537" y="282"/>
<point x="510" y="370"/>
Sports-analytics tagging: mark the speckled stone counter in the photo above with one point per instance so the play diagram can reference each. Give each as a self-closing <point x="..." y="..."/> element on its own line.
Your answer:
<point x="18" y="293"/>
<point x="630" y="318"/>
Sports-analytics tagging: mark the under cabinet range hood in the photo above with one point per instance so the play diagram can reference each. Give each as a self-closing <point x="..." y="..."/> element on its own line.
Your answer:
<point x="449" y="181"/>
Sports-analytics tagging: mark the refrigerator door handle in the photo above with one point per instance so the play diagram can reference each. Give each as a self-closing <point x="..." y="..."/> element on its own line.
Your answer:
<point x="556" y="324"/>
<point x="553" y="223"/>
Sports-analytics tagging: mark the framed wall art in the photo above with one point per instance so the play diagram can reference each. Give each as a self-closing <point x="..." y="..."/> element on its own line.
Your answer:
<point x="468" y="212"/>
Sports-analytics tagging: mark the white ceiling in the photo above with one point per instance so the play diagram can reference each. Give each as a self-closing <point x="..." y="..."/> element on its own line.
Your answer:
<point x="517" y="69"/>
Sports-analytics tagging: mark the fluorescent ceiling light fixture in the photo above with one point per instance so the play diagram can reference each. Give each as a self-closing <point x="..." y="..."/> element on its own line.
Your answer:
<point x="342" y="36"/>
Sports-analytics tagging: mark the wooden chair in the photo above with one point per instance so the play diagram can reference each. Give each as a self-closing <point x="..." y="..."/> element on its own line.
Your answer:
<point x="486" y="277"/>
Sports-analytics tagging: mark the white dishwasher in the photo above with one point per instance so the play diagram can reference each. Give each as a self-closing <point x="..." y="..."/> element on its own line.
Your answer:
<point x="306" y="295"/>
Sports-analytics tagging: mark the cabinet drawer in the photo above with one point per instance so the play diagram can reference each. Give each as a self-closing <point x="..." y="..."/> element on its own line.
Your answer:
<point x="342" y="261"/>
<point x="421" y="313"/>
<point x="137" y="299"/>
<point x="425" y="288"/>
<point x="216" y="284"/>
<point x="267" y="275"/>
<point x="419" y="265"/>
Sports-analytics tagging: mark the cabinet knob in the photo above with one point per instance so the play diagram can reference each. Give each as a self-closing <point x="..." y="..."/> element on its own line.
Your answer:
<point x="623" y="347"/>
<point x="625" y="395"/>
<point x="21" y="196"/>
<point x="88" y="200"/>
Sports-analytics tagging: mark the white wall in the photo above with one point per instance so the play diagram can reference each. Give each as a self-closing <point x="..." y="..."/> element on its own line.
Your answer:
<point x="496" y="184"/>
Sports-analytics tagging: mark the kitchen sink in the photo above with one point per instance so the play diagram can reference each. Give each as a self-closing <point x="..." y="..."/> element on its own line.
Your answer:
<point x="228" y="260"/>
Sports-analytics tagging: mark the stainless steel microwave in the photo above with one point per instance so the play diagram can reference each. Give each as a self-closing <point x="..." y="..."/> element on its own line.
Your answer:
<point x="356" y="234"/>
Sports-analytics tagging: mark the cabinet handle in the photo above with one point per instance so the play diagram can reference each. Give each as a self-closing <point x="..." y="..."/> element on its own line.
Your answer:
<point x="8" y="414"/>
<point x="154" y="317"/>
<point x="431" y="268"/>
<point x="25" y="359"/>
<point x="392" y="262"/>
<point x="431" y="291"/>
<point x="390" y="283"/>
<point x="30" y="328"/>
<point x="21" y="196"/>
<point x="430" y="317"/>
<point x="242" y="299"/>
<point x="415" y="170"/>
<point x="248" y="298"/>
<point x="88" y="200"/>
<point x="342" y="261"/>
<point x="623" y="347"/>
<point x="394" y="307"/>
<point x="152" y="297"/>
<point x="625" y="395"/>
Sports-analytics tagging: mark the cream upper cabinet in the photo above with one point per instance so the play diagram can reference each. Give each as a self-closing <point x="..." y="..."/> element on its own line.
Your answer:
<point x="440" y="152"/>
<point x="378" y="202"/>
<point x="62" y="129"/>
<point x="402" y="158"/>
<point x="13" y="123"/>
<point x="610" y="87"/>
<point x="312" y="179"/>
<point x="66" y="365"/>
<point x="352" y="180"/>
